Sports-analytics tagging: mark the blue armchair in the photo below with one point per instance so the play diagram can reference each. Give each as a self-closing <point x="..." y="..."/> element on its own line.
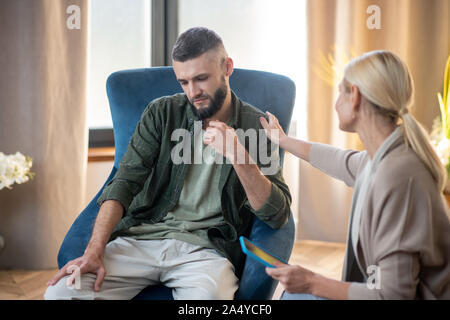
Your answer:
<point x="129" y="92"/>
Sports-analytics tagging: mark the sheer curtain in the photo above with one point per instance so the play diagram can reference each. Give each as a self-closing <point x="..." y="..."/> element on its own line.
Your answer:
<point x="42" y="114"/>
<point x="417" y="30"/>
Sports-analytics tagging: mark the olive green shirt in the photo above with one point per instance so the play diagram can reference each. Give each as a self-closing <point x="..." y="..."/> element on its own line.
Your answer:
<point x="198" y="208"/>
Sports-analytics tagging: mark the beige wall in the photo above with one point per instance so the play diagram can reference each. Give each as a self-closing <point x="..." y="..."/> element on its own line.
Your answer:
<point x="291" y="169"/>
<point x="96" y="175"/>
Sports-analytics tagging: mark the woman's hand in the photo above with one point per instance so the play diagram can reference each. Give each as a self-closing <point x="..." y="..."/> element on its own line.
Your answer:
<point x="294" y="279"/>
<point x="273" y="129"/>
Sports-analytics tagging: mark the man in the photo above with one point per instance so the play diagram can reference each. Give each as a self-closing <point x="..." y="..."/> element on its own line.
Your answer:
<point x="179" y="223"/>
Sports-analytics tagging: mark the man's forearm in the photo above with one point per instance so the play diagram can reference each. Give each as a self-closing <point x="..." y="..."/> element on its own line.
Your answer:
<point x="109" y="215"/>
<point x="257" y="187"/>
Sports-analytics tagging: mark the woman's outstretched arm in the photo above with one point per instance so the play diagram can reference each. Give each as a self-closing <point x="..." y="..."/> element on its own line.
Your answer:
<point x="275" y="133"/>
<point x="338" y="163"/>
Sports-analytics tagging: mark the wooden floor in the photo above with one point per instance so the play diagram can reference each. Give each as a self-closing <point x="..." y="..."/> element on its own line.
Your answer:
<point x="24" y="285"/>
<point x="323" y="257"/>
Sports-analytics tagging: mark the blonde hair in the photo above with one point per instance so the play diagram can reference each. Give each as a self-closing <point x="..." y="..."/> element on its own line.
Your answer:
<point x="386" y="82"/>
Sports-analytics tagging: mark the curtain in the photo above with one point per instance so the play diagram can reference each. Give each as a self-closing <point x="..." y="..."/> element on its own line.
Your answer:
<point x="417" y="30"/>
<point x="43" y="60"/>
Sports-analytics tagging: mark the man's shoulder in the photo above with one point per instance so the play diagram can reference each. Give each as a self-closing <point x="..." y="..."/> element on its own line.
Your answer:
<point x="246" y="107"/>
<point x="173" y="101"/>
<point x="166" y="109"/>
<point x="249" y="115"/>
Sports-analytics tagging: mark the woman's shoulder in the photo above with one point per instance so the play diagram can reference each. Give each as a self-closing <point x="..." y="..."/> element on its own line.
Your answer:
<point x="406" y="199"/>
<point x="402" y="165"/>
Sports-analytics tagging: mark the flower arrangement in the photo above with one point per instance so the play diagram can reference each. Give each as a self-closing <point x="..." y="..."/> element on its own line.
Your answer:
<point x="14" y="168"/>
<point x="440" y="134"/>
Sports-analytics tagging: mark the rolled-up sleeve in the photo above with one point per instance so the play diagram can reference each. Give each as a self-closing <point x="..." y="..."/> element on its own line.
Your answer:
<point x="275" y="211"/>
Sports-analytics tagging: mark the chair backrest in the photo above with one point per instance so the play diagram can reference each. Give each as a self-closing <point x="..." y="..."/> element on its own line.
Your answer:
<point x="130" y="91"/>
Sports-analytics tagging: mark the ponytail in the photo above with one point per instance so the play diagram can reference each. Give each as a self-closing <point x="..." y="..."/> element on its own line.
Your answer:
<point x="416" y="137"/>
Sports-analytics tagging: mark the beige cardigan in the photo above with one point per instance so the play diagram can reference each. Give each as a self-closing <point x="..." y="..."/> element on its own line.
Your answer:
<point x="403" y="243"/>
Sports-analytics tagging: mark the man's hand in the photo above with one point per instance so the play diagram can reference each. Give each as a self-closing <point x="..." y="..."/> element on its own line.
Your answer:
<point x="88" y="263"/>
<point x="108" y="216"/>
<point x="223" y="139"/>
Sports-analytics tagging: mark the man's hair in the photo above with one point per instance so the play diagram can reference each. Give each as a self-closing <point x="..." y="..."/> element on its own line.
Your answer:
<point x="194" y="42"/>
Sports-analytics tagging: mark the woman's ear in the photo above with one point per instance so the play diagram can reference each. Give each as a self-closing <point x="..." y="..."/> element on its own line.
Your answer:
<point x="355" y="98"/>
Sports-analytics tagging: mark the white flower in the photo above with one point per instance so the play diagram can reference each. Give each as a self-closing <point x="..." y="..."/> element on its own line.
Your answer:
<point x="443" y="150"/>
<point x="14" y="168"/>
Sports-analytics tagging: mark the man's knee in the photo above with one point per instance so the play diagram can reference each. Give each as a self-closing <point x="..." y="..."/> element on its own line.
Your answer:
<point x="58" y="291"/>
<point x="203" y="293"/>
<point x="207" y="288"/>
<point x="61" y="291"/>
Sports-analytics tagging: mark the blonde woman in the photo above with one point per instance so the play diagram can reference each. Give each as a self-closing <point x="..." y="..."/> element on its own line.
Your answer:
<point x="398" y="244"/>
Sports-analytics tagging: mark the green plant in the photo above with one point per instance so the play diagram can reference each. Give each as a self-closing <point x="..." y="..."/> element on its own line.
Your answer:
<point x="440" y="135"/>
<point x="444" y="101"/>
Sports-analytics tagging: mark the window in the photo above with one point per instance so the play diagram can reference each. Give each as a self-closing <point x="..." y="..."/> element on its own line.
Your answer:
<point x="119" y="38"/>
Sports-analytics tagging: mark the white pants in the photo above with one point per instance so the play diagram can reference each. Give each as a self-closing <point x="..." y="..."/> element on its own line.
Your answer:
<point x="193" y="272"/>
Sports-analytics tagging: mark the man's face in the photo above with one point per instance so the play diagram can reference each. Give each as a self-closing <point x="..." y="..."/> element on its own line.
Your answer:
<point x="203" y="81"/>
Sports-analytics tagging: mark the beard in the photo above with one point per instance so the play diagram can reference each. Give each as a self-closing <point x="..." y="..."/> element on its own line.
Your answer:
<point x="215" y="104"/>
